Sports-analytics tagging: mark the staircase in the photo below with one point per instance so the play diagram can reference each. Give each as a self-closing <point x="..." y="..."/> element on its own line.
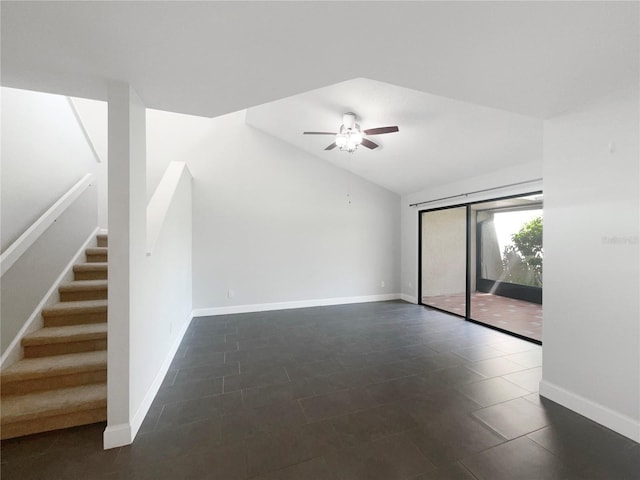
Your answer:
<point x="62" y="380"/>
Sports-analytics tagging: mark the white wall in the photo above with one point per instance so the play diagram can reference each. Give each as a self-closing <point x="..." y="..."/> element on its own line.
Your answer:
<point x="93" y="117"/>
<point x="272" y="224"/>
<point x="149" y="295"/>
<point x="163" y="308"/>
<point x="44" y="153"/>
<point x="170" y="137"/>
<point x="409" y="215"/>
<point x="591" y="312"/>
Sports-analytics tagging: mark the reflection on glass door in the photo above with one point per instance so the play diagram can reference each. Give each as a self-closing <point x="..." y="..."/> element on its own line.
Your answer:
<point x="444" y="259"/>
<point x="506" y="276"/>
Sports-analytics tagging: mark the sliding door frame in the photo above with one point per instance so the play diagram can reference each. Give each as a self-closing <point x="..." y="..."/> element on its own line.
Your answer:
<point x="467" y="258"/>
<point x="467" y="315"/>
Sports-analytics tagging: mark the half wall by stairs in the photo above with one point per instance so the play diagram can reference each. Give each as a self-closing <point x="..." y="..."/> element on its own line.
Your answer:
<point x="62" y="380"/>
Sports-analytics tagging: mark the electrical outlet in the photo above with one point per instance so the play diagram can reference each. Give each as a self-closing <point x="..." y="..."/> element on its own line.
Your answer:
<point x="231" y="293"/>
<point x="382" y="284"/>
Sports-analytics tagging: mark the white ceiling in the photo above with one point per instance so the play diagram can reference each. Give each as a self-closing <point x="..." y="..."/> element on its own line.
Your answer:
<point x="211" y="58"/>
<point x="440" y="139"/>
<point x="467" y="82"/>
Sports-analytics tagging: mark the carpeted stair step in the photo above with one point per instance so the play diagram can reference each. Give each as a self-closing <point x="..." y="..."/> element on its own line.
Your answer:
<point x="49" y="373"/>
<point x="90" y="271"/>
<point x="61" y="381"/>
<point x="96" y="254"/>
<point x="75" y="313"/>
<point x="62" y="340"/>
<point x="103" y="240"/>
<point x="83" y="290"/>
<point x="51" y="410"/>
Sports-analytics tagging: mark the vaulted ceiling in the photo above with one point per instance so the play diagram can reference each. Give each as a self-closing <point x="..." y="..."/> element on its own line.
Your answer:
<point x="440" y="139"/>
<point x="467" y="82"/>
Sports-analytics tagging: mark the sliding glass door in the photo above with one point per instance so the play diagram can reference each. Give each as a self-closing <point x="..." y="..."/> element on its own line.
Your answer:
<point x="483" y="261"/>
<point x="444" y="259"/>
<point x="508" y="266"/>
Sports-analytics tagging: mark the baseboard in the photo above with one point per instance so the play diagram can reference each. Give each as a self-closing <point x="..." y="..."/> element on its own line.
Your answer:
<point x="264" y="307"/>
<point x="13" y="353"/>
<point x="124" y="433"/>
<point x="408" y="298"/>
<point x="116" y="436"/>
<point x="611" y="419"/>
<point x="138" y="417"/>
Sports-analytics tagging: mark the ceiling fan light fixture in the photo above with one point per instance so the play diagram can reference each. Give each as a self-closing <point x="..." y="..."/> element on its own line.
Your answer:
<point x="356" y="137"/>
<point x="350" y="147"/>
<point x="348" y="139"/>
<point x="350" y="135"/>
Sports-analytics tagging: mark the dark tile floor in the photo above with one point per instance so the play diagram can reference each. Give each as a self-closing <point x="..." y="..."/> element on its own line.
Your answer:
<point x="372" y="391"/>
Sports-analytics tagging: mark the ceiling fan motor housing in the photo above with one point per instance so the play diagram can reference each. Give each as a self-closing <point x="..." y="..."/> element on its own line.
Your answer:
<point x="349" y="120"/>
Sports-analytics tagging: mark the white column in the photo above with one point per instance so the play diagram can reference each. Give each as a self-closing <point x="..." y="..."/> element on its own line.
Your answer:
<point x="127" y="230"/>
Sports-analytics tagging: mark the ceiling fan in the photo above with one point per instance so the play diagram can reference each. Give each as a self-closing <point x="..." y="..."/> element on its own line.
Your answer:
<point x="350" y="135"/>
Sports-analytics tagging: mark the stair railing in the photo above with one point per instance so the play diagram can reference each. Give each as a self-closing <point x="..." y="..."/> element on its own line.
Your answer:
<point x="29" y="237"/>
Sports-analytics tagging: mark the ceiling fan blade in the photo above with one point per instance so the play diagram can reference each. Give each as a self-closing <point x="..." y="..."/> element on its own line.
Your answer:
<point x="381" y="130"/>
<point x="369" y="144"/>
<point x="332" y="146"/>
<point x="319" y="133"/>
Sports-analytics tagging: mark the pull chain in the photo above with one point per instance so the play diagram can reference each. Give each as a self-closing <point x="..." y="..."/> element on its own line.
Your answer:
<point x="349" y="179"/>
